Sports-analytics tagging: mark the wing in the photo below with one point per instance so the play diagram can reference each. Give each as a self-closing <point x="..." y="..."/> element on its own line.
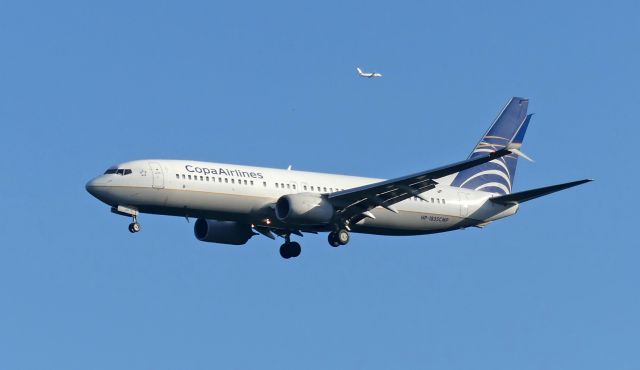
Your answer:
<point x="354" y="204"/>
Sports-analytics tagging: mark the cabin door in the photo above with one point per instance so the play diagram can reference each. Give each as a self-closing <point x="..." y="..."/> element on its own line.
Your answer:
<point x="158" y="176"/>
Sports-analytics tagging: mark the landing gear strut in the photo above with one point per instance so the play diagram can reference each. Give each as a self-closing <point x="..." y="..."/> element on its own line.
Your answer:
<point x="338" y="238"/>
<point x="134" y="226"/>
<point x="290" y="249"/>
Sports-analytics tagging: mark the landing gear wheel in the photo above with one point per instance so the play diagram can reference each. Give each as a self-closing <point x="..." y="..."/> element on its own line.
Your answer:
<point x="284" y="251"/>
<point x="134" y="227"/>
<point x="294" y="249"/>
<point x="290" y="249"/>
<point x="342" y="237"/>
<point x="333" y="239"/>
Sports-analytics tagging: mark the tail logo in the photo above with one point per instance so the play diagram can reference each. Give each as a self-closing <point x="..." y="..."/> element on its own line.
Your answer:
<point x="507" y="129"/>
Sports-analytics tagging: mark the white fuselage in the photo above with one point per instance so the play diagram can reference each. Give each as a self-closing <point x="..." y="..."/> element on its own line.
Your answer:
<point x="247" y="194"/>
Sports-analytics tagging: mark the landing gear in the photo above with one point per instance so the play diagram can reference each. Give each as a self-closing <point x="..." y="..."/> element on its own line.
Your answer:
<point x="340" y="237"/>
<point x="333" y="240"/>
<point x="290" y="249"/>
<point x="134" y="227"/>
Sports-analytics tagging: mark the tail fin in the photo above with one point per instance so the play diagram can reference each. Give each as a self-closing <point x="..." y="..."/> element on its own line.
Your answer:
<point x="508" y="128"/>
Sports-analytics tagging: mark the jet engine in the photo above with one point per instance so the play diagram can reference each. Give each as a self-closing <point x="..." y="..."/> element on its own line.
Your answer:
<point x="223" y="232"/>
<point x="304" y="209"/>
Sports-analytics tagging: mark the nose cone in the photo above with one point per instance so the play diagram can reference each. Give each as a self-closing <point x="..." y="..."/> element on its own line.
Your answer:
<point x="92" y="186"/>
<point x="98" y="187"/>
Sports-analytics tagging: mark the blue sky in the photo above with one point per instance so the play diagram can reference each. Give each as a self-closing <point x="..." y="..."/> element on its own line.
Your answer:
<point x="83" y="86"/>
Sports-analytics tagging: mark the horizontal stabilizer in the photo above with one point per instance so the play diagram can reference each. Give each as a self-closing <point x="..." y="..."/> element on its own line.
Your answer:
<point x="527" y="195"/>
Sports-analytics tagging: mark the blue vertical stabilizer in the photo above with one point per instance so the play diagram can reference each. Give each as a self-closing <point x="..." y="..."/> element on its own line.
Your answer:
<point x="497" y="176"/>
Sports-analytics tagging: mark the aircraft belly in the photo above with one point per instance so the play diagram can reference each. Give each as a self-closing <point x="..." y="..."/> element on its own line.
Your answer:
<point x="408" y="223"/>
<point x="239" y="207"/>
<point x="190" y="203"/>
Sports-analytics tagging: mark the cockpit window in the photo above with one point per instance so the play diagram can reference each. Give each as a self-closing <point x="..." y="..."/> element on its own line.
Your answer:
<point x="118" y="171"/>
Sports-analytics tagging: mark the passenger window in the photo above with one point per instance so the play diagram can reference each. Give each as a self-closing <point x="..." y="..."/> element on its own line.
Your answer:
<point x="432" y="201"/>
<point x="233" y="181"/>
<point x="294" y="186"/>
<point x="201" y="178"/>
<point x="226" y="180"/>
<point x="325" y="188"/>
<point x="189" y="177"/>
<point x="304" y="187"/>
<point x="443" y="202"/>
<point x="331" y="190"/>
<point x="282" y="185"/>
<point x="177" y="176"/>
<point x="288" y="186"/>
<point x="183" y="177"/>
<point x="264" y="183"/>
<point x="245" y="182"/>
<point x="277" y="185"/>
<point x="251" y="182"/>
<point x="438" y="199"/>
<point x="311" y="187"/>
<point x="207" y="178"/>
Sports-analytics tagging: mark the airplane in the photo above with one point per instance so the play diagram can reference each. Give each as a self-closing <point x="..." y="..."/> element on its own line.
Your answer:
<point x="367" y="74"/>
<point x="233" y="203"/>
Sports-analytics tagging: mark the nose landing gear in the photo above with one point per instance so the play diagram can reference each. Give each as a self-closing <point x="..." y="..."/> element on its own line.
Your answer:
<point x="134" y="227"/>
<point x="128" y="211"/>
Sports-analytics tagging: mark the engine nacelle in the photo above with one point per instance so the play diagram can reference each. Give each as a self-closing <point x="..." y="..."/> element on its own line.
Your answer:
<point x="304" y="209"/>
<point x="223" y="232"/>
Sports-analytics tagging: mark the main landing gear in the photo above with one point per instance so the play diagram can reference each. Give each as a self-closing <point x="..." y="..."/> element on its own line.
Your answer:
<point x="290" y="249"/>
<point x="338" y="238"/>
<point x="134" y="226"/>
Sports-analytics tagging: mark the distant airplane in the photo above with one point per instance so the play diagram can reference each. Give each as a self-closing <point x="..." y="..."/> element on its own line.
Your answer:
<point x="367" y="74"/>
<point x="233" y="203"/>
